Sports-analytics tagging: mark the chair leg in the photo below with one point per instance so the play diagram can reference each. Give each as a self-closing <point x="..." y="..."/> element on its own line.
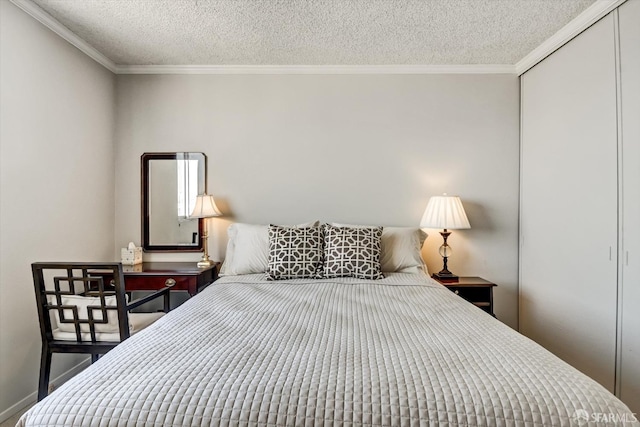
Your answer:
<point x="45" y="372"/>
<point x="94" y="358"/>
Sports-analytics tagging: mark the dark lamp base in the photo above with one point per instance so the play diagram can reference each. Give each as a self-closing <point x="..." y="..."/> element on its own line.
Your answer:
<point x="445" y="277"/>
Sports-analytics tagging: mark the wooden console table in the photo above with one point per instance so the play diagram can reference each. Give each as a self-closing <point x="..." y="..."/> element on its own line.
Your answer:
<point x="151" y="276"/>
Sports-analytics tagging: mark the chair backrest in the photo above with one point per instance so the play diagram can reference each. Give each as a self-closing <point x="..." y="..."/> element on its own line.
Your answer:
<point x="80" y="302"/>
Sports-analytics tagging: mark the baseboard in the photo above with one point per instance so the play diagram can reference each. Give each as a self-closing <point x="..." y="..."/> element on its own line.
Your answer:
<point x="31" y="398"/>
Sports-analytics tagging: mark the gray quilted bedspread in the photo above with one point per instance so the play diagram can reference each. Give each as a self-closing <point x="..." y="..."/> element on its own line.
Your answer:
<point x="399" y="351"/>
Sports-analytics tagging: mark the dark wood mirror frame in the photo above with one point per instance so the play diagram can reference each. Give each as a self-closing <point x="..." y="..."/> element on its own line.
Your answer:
<point x="145" y="197"/>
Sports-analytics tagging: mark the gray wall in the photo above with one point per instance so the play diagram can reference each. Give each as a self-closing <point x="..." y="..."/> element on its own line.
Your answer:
<point x="56" y="182"/>
<point x="350" y="148"/>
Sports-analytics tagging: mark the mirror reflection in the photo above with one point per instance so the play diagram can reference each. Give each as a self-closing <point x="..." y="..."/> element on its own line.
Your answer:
<point x="173" y="180"/>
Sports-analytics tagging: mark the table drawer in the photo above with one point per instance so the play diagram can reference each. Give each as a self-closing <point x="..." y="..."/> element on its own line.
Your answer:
<point x="152" y="283"/>
<point x="473" y="294"/>
<point x="478" y="296"/>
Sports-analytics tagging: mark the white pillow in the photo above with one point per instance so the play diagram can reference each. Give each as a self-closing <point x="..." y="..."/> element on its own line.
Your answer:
<point x="82" y="303"/>
<point x="248" y="248"/>
<point x="401" y="249"/>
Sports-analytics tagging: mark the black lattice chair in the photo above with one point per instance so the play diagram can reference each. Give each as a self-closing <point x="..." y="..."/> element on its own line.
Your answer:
<point x="80" y="313"/>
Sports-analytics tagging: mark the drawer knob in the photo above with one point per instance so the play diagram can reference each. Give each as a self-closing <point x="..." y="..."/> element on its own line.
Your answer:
<point x="170" y="282"/>
<point x="456" y="292"/>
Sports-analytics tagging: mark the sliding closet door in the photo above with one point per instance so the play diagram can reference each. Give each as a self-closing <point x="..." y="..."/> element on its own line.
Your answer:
<point x="568" y="255"/>
<point x="629" y="17"/>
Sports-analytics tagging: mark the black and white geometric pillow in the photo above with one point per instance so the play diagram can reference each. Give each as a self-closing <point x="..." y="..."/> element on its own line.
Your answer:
<point x="295" y="253"/>
<point x="352" y="252"/>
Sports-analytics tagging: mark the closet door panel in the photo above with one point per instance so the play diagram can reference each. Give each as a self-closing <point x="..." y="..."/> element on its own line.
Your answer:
<point x="629" y="24"/>
<point x="569" y="213"/>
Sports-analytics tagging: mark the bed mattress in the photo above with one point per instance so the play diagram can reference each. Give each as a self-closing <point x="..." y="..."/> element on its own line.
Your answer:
<point x="398" y="351"/>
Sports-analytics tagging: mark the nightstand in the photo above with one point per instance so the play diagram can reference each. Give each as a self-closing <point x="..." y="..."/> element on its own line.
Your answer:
<point x="476" y="290"/>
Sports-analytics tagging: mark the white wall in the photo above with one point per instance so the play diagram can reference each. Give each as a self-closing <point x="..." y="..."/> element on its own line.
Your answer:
<point x="56" y="181"/>
<point x="350" y="148"/>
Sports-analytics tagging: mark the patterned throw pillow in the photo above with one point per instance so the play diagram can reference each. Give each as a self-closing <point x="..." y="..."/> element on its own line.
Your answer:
<point x="352" y="252"/>
<point x="295" y="253"/>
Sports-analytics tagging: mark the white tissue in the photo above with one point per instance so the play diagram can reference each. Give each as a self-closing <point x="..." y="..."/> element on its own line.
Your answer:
<point x="131" y="255"/>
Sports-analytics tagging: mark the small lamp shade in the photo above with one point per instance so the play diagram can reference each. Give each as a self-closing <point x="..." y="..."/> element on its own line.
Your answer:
<point x="445" y="212"/>
<point x="205" y="207"/>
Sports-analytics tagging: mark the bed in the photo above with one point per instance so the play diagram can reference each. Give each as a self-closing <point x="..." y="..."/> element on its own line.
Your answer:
<point x="402" y="350"/>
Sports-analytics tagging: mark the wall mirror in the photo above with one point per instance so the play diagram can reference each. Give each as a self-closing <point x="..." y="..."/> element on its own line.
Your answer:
<point x="170" y="184"/>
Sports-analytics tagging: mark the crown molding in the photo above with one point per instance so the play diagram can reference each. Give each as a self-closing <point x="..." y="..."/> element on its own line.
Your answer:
<point x="54" y="25"/>
<point x="580" y="23"/>
<point x="315" y="69"/>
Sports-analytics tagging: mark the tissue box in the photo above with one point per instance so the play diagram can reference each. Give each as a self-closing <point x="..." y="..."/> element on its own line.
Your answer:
<point x="131" y="255"/>
<point x="132" y="268"/>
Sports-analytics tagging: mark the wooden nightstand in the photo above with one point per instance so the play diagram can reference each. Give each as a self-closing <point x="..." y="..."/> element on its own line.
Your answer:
<point x="476" y="290"/>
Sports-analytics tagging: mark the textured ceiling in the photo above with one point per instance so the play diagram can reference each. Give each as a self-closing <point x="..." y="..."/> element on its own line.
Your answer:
<point x="314" y="32"/>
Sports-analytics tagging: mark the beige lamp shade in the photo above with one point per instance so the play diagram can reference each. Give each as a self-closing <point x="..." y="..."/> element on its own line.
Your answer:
<point x="445" y="212"/>
<point x="205" y="207"/>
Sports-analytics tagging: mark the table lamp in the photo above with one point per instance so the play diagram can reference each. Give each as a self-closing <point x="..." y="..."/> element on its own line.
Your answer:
<point x="445" y="212"/>
<point x="205" y="208"/>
